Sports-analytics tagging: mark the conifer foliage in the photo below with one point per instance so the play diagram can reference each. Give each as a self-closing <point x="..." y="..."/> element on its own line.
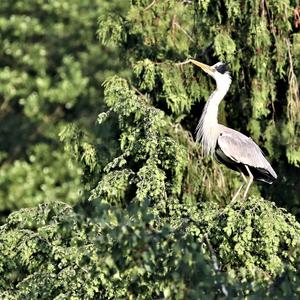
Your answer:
<point x="50" y="72"/>
<point x="156" y="222"/>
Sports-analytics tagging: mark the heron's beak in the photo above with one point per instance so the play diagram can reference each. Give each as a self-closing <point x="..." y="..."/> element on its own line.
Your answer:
<point x="209" y="70"/>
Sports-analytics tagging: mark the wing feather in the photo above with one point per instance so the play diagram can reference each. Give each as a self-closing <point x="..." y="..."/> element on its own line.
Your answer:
<point x="243" y="149"/>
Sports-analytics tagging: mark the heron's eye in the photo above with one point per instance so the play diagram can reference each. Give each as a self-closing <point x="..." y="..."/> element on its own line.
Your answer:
<point x="222" y="68"/>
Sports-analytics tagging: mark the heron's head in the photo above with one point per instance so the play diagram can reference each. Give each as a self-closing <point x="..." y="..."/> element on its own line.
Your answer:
<point x="218" y="71"/>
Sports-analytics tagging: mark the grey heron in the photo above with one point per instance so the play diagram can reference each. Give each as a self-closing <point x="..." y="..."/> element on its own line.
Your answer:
<point x="228" y="146"/>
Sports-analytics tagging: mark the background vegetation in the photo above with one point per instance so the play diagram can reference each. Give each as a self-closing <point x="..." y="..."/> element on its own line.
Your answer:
<point x="104" y="193"/>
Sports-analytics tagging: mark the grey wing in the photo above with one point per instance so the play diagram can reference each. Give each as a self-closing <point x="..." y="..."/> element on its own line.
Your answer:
<point x="243" y="149"/>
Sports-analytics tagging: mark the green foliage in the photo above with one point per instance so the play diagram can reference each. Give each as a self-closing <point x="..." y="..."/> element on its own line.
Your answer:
<point x="152" y="161"/>
<point x="41" y="179"/>
<point x="53" y="252"/>
<point x="258" y="39"/>
<point x="50" y="74"/>
<point x="154" y="218"/>
<point x="255" y="236"/>
<point x="258" y="54"/>
<point x="253" y="239"/>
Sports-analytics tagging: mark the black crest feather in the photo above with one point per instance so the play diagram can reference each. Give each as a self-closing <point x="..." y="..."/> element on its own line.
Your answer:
<point x="222" y="68"/>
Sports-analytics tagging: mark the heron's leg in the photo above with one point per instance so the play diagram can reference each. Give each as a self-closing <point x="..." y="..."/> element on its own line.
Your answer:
<point x="239" y="189"/>
<point x="237" y="193"/>
<point x="244" y="177"/>
<point x="249" y="182"/>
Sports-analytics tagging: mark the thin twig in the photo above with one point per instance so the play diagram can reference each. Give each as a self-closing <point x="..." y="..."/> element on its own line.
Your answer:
<point x="215" y="262"/>
<point x="183" y="63"/>
<point x="183" y="30"/>
<point x="212" y="252"/>
<point x="139" y="93"/>
<point x="150" y="5"/>
<point x="293" y="100"/>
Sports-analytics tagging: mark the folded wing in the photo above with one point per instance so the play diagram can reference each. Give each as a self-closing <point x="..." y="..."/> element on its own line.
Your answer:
<point x="236" y="150"/>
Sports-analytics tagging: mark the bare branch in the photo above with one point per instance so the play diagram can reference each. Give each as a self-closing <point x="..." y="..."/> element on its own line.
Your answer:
<point x="183" y="30"/>
<point x="293" y="93"/>
<point x="183" y="63"/>
<point x="150" y="5"/>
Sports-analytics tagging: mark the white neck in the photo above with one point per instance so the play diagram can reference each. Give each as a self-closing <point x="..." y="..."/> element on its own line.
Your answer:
<point x="208" y="129"/>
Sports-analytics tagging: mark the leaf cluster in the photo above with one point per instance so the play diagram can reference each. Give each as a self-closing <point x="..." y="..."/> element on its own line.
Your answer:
<point x="155" y="219"/>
